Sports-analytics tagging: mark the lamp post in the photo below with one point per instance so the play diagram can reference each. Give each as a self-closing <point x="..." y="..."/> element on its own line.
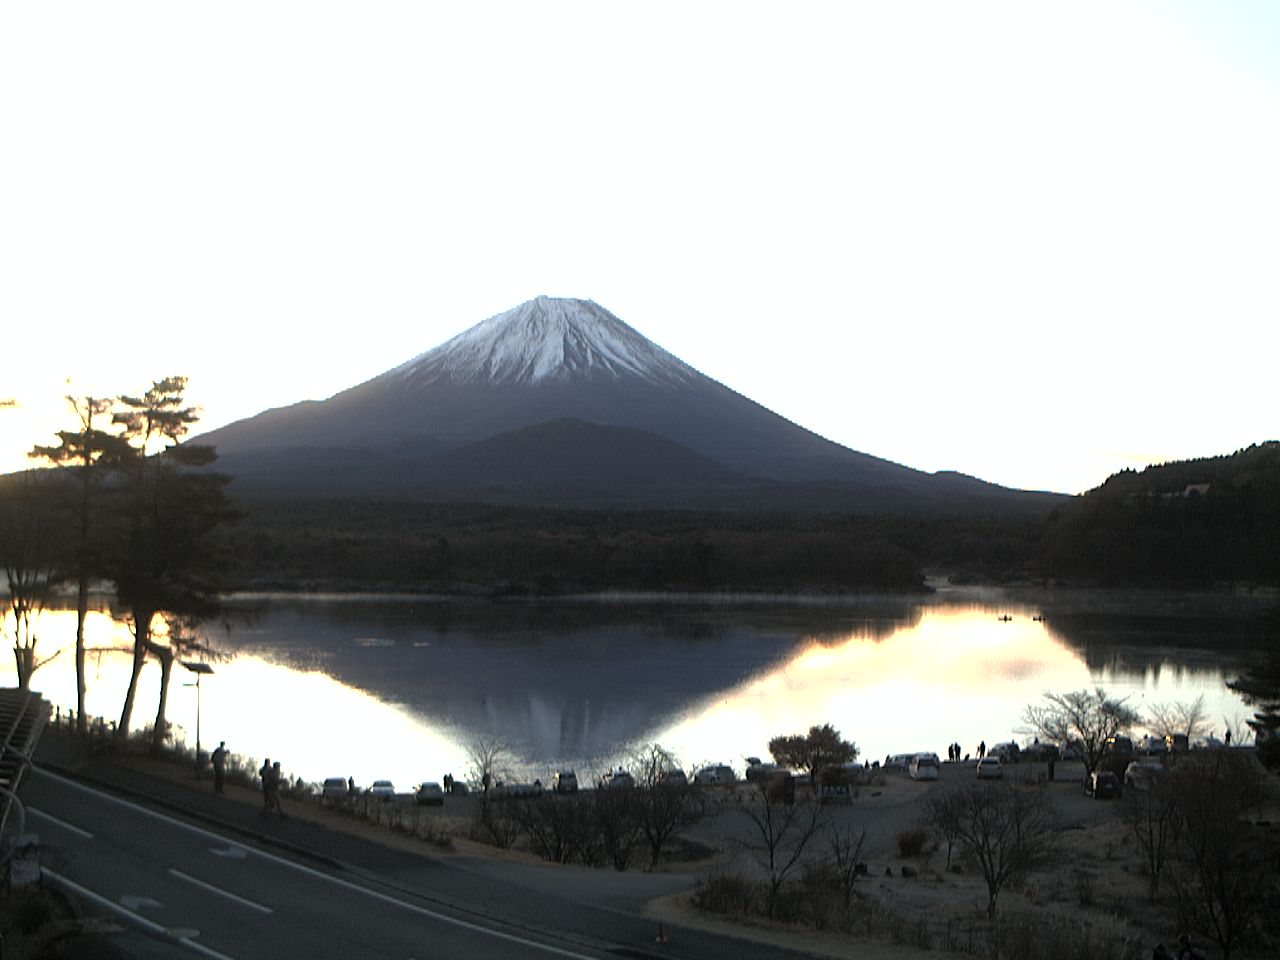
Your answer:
<point x="199" y="669"/>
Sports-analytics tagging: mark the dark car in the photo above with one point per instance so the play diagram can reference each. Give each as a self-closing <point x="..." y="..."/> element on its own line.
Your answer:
<point x="1102" y="785"/>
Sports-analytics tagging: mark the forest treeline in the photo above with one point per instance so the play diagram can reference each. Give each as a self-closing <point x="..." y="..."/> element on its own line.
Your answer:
<point x="1198" y="522"/>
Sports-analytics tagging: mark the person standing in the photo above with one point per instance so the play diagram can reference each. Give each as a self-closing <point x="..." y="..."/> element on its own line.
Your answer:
<point x="264" y="774"/>
<point x="273" y="794"/>
<point x="219" y="759"/>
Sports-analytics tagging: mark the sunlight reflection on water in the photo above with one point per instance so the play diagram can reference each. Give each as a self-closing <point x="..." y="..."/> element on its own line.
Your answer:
<point x="954" y="674"/>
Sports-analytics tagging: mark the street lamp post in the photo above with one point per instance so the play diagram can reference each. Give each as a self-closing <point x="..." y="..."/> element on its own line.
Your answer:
<point x="199" y="669"/>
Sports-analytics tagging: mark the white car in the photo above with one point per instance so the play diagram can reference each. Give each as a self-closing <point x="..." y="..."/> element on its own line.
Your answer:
<point x="924" y="766"/>
<point x="990" y="768"/>
<point x="383" y="790"/>
<point x="715" y="775"/>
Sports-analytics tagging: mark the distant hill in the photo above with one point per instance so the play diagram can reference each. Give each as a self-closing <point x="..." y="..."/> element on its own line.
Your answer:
<point x="1195" y="521"/>
<point x="559" y="402"/>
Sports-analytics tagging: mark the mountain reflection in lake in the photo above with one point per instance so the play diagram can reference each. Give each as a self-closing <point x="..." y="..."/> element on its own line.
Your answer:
<point x="381" y="687"/>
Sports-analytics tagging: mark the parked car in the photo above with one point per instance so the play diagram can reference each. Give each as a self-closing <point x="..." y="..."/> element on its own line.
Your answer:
<point x="1152" y="745"/>
<point x="617" y="780"/>
<point x="757" y="771"/>
<point x="715" y="775"/>
<point x="1102" y="785"/>
<point x="673" y="778"/>
<point x="334" y="788"/>
<point x="990" y="768"/>
<point x="565" y="781"/>
<point x="898" y="761"/>
<point x="429" y="794"/>
<point x="1142" y="774"/>
<point x="521" y="791"/>
<point x="1040" y="752"/>
<point x="924" y="766"/>
<point x="1177" y="742"/>
<point x="1007" y="752"/>
<point x="1071" y="750"/>
<point x="383" y="790"/>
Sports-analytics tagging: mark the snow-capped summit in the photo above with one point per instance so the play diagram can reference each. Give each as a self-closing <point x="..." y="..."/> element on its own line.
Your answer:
<point x="558" y="401"/>
<point x="548" y="339"/>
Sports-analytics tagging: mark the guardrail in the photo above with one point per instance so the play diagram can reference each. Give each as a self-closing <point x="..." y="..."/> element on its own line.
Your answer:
<point x="23" y="715"/>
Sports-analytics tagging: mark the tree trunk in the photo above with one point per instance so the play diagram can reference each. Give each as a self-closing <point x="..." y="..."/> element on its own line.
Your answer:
<point x="82" y="611"/>
<point x="26" y="663"/>
<point x="141" y="638"/>
<point x="165" y="656"/>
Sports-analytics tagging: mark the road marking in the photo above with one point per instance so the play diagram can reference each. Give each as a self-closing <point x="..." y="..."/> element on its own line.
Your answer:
<point x="231" y="853"/>
<point x="374" y="894"/>
<point x="134" y="903"/>
<point x="135" y="918"/>
<point x="218" y="890"/>
<point x="62" y="823"/>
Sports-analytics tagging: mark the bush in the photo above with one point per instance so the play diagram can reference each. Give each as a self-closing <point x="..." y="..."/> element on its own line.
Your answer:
<point x="911" y="843"/>
<point x="729" y="894"/>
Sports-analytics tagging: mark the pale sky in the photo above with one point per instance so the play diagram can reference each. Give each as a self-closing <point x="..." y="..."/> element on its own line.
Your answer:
<point x="1036" y="243"/>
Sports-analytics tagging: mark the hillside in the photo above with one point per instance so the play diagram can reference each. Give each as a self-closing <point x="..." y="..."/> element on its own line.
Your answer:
<point x="1214" y="520"/>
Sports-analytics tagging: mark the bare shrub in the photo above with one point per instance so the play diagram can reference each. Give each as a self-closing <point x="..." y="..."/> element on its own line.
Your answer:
<point x="728" y="894"/>
<point x="911" y="843"/>
<point x="495" y="823"/>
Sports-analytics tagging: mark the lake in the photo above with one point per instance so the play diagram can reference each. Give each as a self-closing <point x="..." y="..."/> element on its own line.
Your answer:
<point x="398" y="687"/>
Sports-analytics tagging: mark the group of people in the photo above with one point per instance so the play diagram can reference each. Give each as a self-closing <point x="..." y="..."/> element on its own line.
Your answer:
<point x="953" y="753"/>
<point x="270" y="774"/>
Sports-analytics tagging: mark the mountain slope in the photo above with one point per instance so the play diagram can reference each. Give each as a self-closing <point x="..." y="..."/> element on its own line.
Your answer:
<point x="548" y="361"/>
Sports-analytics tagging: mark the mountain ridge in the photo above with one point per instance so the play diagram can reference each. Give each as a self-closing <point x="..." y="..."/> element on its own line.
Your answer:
<point x="555" y="360"/>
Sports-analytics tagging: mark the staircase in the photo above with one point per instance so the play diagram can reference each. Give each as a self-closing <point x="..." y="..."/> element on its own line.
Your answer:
<point x="23" y="715"/>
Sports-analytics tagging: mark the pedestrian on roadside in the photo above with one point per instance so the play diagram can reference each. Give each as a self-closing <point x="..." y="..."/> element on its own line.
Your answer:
<point x="271" y="790"/>
<point x="1226" y="738"/>
<point x="264" y="774"/>
<point x="219" y="759"/>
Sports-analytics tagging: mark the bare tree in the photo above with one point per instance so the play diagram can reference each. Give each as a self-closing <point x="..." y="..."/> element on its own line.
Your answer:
<point x="488" y="757"/>
<point x="28" y="553"/>
<point x="1189" y="719"/>
<point x="664" y="809"/>
<point x="844" y="853"/>
<point x="1223" y="874"/>
<point x="1152" y="817"/>
<point x="1089" y="717"/>
<point x="1007" y="829"/>
<point x="781" y="833"/>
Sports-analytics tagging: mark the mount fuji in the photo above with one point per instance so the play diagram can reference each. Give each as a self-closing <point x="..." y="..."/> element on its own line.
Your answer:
<point x="557" y="401"/>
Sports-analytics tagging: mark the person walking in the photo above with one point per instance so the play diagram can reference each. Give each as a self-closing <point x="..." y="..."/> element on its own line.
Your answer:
<point x="219" y="759"/>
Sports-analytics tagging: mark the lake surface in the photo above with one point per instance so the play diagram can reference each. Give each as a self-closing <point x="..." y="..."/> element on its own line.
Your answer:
<point x="373" y="687"/>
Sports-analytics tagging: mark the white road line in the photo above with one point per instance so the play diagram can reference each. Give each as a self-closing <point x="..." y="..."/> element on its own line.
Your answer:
<point x="414" y="908"/>
<point x="218" y="890"/>
<point x="135" y="918"/>
<point x="62" y="823"/>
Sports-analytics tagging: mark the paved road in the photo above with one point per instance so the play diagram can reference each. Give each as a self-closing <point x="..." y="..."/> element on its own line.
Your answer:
<point x="224" y="893"/>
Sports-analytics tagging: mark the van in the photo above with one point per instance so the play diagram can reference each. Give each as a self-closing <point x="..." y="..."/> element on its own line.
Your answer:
<point x="1007" y="752"/>
<point x="924" y="766"/>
